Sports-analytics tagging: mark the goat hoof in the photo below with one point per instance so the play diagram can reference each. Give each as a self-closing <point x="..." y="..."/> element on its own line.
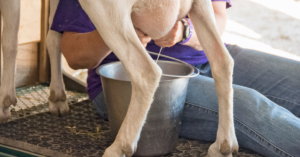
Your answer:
<point x="6" y="101"/>
<point x="4" y="114"/>
<point x="59" y="108"/>
<point x="58" y="103"/>
<point x="224" y="150"/>
<point x="113" y="151"/>
<point x="128" y="150"/>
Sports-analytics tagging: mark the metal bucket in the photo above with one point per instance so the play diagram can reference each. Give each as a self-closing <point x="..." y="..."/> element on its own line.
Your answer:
<point x="160" y="133"/>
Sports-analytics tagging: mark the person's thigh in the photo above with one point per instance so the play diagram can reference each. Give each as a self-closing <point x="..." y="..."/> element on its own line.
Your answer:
<point x="275" y="77"/>
<point x="260" y="124"/>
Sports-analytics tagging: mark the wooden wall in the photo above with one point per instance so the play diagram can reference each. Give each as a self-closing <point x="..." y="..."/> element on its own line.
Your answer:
<point x="27" y="65"/>
<point x="29" y="38"/>
<point x="30" y="23"/>
<point x="31" y="51"/>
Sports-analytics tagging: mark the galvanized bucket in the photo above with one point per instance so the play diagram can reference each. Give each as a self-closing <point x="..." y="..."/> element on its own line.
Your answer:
<point x="160" y="133"/>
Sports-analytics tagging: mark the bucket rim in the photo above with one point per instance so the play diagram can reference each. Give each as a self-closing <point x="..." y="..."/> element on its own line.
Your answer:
<point x="100" y="67"/>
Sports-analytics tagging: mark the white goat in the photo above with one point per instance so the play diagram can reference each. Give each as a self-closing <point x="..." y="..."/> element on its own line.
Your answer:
<point x="115" y="20"/>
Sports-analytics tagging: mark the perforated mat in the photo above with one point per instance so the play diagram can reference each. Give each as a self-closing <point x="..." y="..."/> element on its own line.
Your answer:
<point x="34" y="99"/>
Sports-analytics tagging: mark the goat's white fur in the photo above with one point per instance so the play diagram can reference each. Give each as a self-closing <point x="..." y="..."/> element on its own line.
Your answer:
<point x="115" y="20"/>
<point x="58" y="104"/>
<point x="10" y="11"/>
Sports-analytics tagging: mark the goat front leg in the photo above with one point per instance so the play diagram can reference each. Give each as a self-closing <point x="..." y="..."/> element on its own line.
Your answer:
<point x="113" y="21"/>
<point x="11" y="19"/>
<point x="58" y="103"/>
<point x="202" y="16"/>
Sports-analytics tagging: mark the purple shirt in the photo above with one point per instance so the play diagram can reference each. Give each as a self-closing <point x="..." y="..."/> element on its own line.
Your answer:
<point x="71" y="17"/>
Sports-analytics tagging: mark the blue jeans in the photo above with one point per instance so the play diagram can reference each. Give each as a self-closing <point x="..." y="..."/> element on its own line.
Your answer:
<point x="266" y="104"/>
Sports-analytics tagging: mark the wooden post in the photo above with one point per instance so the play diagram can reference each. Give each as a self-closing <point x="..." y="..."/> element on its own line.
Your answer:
<point x="44" y="61"/>
<point x="1" y="66"/>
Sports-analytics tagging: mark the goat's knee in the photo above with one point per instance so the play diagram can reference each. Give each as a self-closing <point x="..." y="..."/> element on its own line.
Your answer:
<point x="151" y="77"/>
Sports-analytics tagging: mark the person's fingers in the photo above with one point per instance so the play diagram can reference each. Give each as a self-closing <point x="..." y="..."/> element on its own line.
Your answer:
<point x="162" y="44"/>
<point x="145" y="39"/>
<point x="168" y="43"/>
<point x="142" y="35"/>
<point x="139" y="33"/>
<point x="170" y="36"/>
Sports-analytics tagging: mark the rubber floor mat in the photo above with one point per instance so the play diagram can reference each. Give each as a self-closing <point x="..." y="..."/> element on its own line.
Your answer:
<point x="82" y="133"/>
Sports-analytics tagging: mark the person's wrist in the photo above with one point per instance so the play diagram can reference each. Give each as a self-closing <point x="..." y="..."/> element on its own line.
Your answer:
<point x="180" y="36"/>
<point x="185" y="38"/>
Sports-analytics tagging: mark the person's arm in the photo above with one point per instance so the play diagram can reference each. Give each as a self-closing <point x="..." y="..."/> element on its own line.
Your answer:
<point x="87" y="50"/>
<point x="220" y="15"/>
<point x="175" y="35"/>
<point x="193" y="42"/>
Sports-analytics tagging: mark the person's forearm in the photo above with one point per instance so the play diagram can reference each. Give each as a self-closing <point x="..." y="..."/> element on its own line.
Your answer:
<point x="84" y="50"/>
<point x="194" y="42"/>
<point x="221" y="21"/>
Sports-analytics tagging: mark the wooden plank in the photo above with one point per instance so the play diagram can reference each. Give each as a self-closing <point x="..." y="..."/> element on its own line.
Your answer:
<point x="73" y="83"/>
<point x="44" y="61"/>
<point x="1" y="69"/>
<point x="29" y="59"/>
<point x="27" y="65"/>
<point x="30" y="19"/>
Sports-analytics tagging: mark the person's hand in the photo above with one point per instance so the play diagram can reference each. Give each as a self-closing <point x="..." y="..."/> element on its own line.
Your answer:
<point x="174" y="36"/>
<point x="144" y="38"/>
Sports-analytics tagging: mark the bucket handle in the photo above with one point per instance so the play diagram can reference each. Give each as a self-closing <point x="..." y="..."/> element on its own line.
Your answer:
<point x="189" y="76"/>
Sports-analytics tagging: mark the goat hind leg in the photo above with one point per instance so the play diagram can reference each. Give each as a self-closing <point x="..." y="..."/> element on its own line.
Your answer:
<point x="58" y="103"/>
<point x="114" y="15"/>
<point x="221" y="62"/>
<point x="11" y="19"/>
